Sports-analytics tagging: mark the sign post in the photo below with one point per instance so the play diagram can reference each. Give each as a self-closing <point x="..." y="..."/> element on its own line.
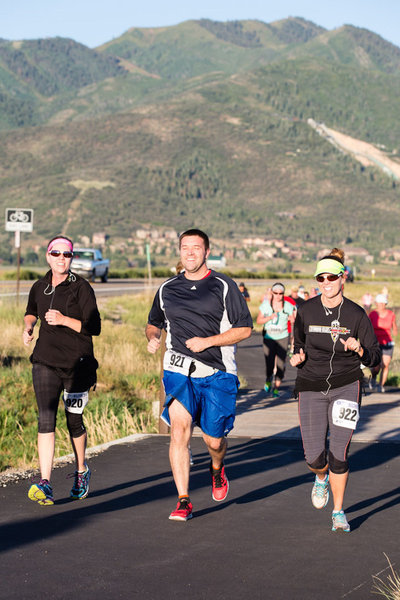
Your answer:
<point x="17" y="220"/>
<point x="148" y="264"/>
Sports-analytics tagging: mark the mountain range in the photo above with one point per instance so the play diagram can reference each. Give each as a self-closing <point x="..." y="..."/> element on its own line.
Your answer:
<point x="203" y="123"/>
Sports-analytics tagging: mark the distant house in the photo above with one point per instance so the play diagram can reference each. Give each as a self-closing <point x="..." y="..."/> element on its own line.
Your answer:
<point x="216" y="261"/>
<point x="354" y="252"/>
<point x="170" y="234"/>
<point x="99" y="238"/>
<point x="84" y="240"/>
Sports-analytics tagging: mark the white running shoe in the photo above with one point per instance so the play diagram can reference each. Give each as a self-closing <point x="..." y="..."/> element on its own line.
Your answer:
<point x="320" y="492"/>
<point x="339" y="522"/>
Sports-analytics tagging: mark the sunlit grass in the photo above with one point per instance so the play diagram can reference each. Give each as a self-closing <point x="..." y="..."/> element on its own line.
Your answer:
<point x="128" y="376"/>
<point x="128" y="383"/>
<point x="390" y="588"/>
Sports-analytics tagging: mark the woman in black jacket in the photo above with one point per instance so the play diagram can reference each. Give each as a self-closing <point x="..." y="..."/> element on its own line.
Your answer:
<point x="332" y="336"/>
<point x="63" y="361"/>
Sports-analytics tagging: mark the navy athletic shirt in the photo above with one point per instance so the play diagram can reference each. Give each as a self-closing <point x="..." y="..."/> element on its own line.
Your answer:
<point x="200" y="308"/>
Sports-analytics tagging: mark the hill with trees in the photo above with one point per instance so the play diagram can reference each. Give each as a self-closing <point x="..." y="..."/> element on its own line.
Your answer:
<point x="203" y="124"/>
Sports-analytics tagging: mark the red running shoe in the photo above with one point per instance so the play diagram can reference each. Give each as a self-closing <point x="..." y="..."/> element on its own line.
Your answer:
<point x="220" y="484"/>
<point x="183" y="511"/>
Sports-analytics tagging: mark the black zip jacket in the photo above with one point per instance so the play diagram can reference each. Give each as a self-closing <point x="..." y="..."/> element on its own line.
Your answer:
<point x="318" y="331"/>
<point x="59" y="346"/>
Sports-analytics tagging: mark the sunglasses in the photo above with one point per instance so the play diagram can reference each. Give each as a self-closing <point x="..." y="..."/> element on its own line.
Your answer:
<point x="66" y="253"/>
<point x="277" y="293"/>
<point x="321" y="278"/>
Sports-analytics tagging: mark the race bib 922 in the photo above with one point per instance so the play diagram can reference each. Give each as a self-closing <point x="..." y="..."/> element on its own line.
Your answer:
<point x="345" y="413"/>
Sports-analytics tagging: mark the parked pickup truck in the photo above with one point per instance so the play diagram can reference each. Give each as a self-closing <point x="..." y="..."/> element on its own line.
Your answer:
<point x="89" y="263"/>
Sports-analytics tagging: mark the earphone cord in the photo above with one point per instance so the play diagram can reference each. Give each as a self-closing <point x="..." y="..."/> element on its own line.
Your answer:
<point x="333" y="352"/>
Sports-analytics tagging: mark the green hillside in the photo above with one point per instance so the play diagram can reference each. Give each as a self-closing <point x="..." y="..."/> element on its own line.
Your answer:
<point x="352" y="46"/>
<point x="218" y="158"/>
<point x="34" y="71"/>
<point x="194" y="48"/>
<point x="202" y="124"/>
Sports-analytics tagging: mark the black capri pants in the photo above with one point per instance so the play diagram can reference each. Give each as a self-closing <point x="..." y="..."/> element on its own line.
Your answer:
<point x="49" y="383"/>
<point x="275" y="349"/>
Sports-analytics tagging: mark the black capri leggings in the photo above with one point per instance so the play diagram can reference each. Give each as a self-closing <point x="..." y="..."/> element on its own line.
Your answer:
<point x="48" y="384"/>
<point x="275" y="349"/>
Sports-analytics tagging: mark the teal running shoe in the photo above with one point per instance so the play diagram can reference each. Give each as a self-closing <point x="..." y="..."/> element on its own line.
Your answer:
<point x="80" y="489"/>
<point x="41" y="492"/>
<point x="320" y="493"/>
<point x="339" y="522"/>
<point x="275" y="393"/>
<point x="267" y="387"/>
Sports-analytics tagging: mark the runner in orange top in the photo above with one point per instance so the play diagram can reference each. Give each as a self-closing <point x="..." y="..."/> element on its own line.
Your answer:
<point x="384" y="323"/>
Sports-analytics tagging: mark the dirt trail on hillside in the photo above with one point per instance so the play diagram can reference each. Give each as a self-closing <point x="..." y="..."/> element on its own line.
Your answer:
<point x="367" y="154"/>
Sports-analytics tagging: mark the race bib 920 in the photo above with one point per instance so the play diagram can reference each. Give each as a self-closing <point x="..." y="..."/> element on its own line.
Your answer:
<point x="345" y="413"/>
<point x="75" y="402"/>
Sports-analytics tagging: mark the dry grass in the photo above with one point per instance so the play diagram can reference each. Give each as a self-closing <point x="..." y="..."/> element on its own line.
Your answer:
<point x="103" y="426"/>
<point x="128" y="383"/>
<point x="390" y="588"/>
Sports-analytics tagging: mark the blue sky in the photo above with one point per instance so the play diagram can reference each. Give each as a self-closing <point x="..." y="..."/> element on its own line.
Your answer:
<point x="93" y="22"/>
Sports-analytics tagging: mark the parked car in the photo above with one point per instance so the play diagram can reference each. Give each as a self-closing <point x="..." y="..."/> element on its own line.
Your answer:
<point x="89" y="263"/>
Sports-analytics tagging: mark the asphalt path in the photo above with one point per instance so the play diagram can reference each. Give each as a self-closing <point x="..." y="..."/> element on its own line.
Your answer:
<point x="266" y="541"/>
<point x="114" y="287"/>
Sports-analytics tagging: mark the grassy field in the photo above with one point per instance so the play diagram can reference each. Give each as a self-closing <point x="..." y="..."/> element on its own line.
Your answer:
<point x="128" y="377"/>
<point x="128" y="383"/>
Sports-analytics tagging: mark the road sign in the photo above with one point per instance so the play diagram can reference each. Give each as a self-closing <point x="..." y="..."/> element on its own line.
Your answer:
<point x="19" y="219"/>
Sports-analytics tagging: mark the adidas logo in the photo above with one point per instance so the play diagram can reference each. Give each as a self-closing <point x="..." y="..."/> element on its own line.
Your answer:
<point x="193" y="287"/>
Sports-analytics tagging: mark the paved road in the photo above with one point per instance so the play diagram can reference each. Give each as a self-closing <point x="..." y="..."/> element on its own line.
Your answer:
<point x="265" y="542"/>
<point x="114" y="287"/>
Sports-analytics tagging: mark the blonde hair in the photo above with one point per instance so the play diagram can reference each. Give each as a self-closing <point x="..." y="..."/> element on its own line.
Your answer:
<point x="179" y="267"/>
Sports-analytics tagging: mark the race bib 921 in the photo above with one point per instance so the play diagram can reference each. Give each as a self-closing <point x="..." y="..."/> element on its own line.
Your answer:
<point x="178" y="363"/>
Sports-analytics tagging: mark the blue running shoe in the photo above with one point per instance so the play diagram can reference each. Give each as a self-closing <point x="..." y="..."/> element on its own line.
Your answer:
<point x="320" y="492"/>
<point x="267" y="387"/>
<point x="80" y="489"/>
<point x="339" y="522"/>
<point x="41" y="492"/>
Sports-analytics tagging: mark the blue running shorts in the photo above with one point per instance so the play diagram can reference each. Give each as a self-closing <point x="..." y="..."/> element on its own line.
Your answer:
<point x="211" y="401"/>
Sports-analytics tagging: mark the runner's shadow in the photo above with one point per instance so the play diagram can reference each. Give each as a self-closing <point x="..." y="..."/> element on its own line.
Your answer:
<point x="372" y="455"/>
<point x="252" y="400"/>
<point x="248" y="459"/>
<point x="369" y="411"/>
<point x="358" y="521"/>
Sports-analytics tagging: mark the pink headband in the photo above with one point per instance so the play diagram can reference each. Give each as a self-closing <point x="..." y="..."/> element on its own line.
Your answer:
<point x="58" y="241"/>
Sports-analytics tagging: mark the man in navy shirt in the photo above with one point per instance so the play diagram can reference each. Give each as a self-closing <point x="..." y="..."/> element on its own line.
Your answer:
<point x="205" y="316"/>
